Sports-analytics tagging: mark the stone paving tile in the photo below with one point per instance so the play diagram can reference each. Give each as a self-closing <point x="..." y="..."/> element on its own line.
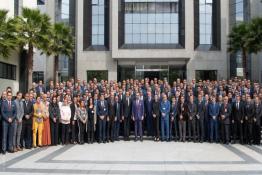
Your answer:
<point x="137" y="158"/>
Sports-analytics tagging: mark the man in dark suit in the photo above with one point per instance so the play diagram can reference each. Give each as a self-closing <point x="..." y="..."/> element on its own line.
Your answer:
<point x="8" y="113"/>
<point x="118" y="114"/>
<point x="73" y="120"/>
<point x="2" y="99"/>
<point x="192" y="110"/>
<point x="182" y="118"/>
<point x="225" y="113"/>
<point x="200" y="116"/>
<point x="40" y="88"/>
<point x="149" y="113"/>
<point x="249" y="118"/>
<point x="206" y="118"/>
<point x="257" y="121"/>
<point x="156" y="117"/>
<point x="138" y="116"/>
<point x="110" y="130"/>
<point x="102" y="112"/>
<point x="127" y="112"/>
<point x="238" y="112"/>
<point x="213" y="111"/>
<point x="26" y="135"/>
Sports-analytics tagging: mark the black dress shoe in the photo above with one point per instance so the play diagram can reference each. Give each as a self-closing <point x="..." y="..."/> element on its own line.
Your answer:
<point x="11" y="151"/>
<point x="4" y="152"/>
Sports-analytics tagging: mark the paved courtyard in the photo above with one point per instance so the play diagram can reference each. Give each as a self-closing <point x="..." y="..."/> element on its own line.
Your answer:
<point x="136" y="158"/>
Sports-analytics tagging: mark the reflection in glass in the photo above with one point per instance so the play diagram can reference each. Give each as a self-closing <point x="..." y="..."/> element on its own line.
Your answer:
<point x="205" y="21"/>
<point x="151" y="22"/>
<point x="98" y="21"/>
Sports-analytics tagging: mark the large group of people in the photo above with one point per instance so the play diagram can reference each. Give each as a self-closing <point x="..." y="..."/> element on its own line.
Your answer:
<point x="79" y="112"/>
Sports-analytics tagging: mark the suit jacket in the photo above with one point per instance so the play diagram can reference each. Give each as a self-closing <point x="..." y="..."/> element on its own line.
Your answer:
<point x="258" y="113"/>
<point x="226" y="111"/>
<point x="127" y="107"/>
<point x="192" y="110"/>
<point x="201" y="110"/>
<point x="8" y="112"/>
<point x="38" y="89"/>
<point x="111" y="109"/>
<point x="118" y="110"/>
<point x="238" y="113"/>
<point x="54" y="111"/>
<point x="213" y="110"/>
<point x="73" y="111"/>
<point x="102" y="110"/>
<point x="1" y="102"/>
<point x="183" y="110"/>
<point x="249" y="112"/>
<point x="165" y="108"/>
<point x="156" y="108"/>
<point x="174" y="110"/>
<point x="149" y="106"/>
<point x="138" y="109"/>
<point x="19" y="109"/>
<point x="28" y="110"/>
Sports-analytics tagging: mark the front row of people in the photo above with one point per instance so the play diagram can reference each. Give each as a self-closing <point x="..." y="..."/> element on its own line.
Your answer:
<point x="28" y="123"/>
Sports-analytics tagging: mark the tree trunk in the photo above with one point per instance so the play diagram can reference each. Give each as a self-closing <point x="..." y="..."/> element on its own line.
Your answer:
<point x="30" y="65"/>
<point x="56" y="69"/>
<point x="244" y="63"/>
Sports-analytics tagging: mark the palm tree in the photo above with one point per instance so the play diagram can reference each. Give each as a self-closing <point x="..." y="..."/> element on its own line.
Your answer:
<point x="34" y="30"/>
<point x="238" y="41"/>
<point x="247" y="38"/>
<point x="8" y="39"/>
<point x="255" y="35"/>
<point x="61" y="43"/>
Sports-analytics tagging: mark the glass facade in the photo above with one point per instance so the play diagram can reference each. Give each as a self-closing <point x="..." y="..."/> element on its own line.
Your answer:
<point x="7" y="71"/>
<point x="40" y="2"/>
<point x="206" y="75"/>
<point x="239" y="12"/>
<point x="98" y="74"/>
<point x="140" y="71"/>
<point x="38" y="76"/>
<point x="65" y="10"/>
<point x="151" y="22"/>
<point x="98" y="22"/>
<point x="205" y="21"/>
<point x="64" y="13"/>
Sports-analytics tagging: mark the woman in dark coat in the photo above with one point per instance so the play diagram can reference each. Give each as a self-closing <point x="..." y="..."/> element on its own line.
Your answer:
<point x="54" y="114"/>
<point x="156" y="114"/>
<point x="91" y="112"/>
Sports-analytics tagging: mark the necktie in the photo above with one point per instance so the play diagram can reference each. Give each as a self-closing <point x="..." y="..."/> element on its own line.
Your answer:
<point x="9" y="104"/>
<point x="127" y="101"/>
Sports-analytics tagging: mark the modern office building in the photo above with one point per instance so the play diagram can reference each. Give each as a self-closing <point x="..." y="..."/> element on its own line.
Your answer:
<point x="10" y="68"/>
<point x="119" y="39"/>
<point x="152" y="38"/>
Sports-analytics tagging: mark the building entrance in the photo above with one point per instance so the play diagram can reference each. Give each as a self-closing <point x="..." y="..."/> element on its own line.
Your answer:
<point x="141" y="71"/>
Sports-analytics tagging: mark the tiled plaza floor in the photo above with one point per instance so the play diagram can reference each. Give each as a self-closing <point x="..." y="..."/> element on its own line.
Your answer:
<point x="137" y="158"/>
